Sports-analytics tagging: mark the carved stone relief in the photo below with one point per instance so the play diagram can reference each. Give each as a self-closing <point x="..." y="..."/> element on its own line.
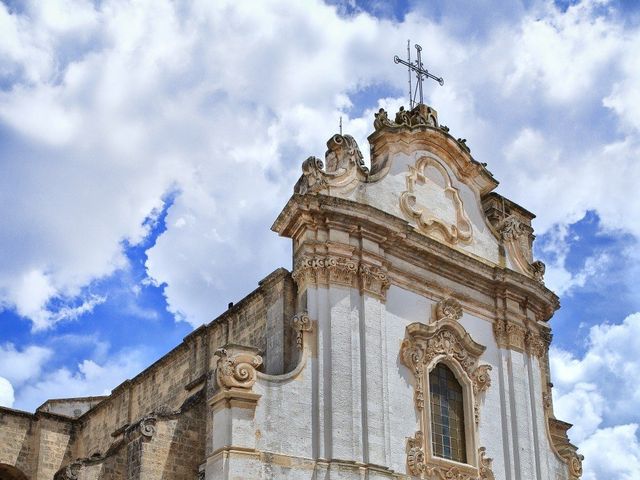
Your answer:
<point x="422" y="347"/>
<point x="345" y="168"/>
<point x="301" y="324"/>
<point x="321" y="270"/>
<point x="237" y="370"/>
<point x="449" y="219"/>
<point x="448" y="309"/>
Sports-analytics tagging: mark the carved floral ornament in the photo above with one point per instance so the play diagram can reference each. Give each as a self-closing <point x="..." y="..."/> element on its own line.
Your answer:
<point x="422" y="348"/>
<point x="456" y="228"/>
<point x="325" y="270"/>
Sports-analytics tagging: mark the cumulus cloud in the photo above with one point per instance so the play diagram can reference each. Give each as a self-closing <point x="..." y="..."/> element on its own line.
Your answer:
<point x="21" y="365"/>
<point x="105" y="108"/>
<point x="598" y="392"/>
<point x="88" y="378"/>
<point x="6" y="393"/>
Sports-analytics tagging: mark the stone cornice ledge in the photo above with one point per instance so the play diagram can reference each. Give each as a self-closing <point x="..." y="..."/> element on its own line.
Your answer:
<point x="401" y="240"/>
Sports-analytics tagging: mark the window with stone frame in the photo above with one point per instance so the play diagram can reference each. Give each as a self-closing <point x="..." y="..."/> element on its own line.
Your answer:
<point x="447" y="415"/>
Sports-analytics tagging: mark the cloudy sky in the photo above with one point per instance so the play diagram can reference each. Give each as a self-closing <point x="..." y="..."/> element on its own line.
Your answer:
<point x="147" y="146"/>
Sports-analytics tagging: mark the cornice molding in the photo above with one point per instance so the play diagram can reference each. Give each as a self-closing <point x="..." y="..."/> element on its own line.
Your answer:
<point x="400" y="240"/>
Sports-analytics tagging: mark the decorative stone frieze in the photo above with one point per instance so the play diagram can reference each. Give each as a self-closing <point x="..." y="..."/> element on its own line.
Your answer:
<point x="301" y="324"/>
<point x="448" y="309"/>
<point x="237" y="370"/>
<point x="422" y="347"/>
<point x="427" y="219"/>
<point x="335" y="270"/>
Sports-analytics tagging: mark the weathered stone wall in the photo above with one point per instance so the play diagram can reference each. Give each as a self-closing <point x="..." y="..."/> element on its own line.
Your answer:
<point x="17" y="440"/>
<point x="41" y="444"/>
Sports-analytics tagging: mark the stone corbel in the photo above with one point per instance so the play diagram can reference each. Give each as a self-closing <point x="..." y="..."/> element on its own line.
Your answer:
<point x="303" y="328"/>
<point x="235" y="375"/>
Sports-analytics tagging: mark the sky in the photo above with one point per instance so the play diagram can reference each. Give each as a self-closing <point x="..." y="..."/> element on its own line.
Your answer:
<point x="147" y="146"/>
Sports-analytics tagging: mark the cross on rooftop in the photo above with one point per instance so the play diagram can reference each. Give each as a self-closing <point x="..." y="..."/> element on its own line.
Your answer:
<point x="421" y="73"/>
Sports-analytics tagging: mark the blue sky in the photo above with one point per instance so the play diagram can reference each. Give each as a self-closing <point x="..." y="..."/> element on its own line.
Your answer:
<point x="146" y="147"/>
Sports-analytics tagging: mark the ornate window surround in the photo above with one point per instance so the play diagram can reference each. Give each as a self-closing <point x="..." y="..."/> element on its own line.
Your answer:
<point x="445" y="341"/>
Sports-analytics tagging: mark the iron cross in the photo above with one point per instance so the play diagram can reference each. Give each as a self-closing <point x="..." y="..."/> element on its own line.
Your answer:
<point x="421" y="73"/>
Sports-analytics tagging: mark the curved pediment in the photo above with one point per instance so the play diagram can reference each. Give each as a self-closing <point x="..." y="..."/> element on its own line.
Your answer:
<point x="425" y="176"/>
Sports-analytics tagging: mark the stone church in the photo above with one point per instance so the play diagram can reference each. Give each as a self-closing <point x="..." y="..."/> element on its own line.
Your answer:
<point x="409" y="341"/>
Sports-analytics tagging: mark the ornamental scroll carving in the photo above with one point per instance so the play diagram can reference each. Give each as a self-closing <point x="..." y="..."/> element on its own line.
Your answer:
<point x="237" y="370"/>
<point x="422" y="348"/>
<point x="516" y="236"/>
<point x="326" y="270"/>
<point x="449" y="218"/>
<point x="301" y="324"/>
<point x="344" y="170"/>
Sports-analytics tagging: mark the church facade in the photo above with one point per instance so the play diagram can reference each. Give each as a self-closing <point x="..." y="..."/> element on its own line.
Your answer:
<point x="409" y="341"/>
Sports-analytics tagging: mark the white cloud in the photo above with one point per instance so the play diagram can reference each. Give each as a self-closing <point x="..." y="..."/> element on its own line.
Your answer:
<point x="112" y="106"/>
<point x="20" y="366"/>
<point x="6" y="393"/>
<point x="89" y="378"/>
<point x="612" y="453"/>
<point x="599" y="393"/>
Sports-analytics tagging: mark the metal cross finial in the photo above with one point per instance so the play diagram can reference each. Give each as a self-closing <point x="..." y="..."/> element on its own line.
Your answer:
<point x="421" y="73"/>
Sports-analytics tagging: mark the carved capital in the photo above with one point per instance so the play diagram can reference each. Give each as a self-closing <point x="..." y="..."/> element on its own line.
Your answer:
<point x="318" y="270"/>
<point x="337" y="270"/>
<point x="374" y="280"/>
<point x="237" y="370"/>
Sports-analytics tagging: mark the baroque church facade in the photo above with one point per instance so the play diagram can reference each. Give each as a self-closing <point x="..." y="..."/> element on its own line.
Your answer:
<point x="409" y="341"/>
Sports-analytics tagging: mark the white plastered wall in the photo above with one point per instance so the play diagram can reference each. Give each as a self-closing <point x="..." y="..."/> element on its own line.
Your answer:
<point x="347" y="404"/>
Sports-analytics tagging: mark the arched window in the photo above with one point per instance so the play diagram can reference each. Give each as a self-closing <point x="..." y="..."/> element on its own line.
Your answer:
<point x="447" y="415"/>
